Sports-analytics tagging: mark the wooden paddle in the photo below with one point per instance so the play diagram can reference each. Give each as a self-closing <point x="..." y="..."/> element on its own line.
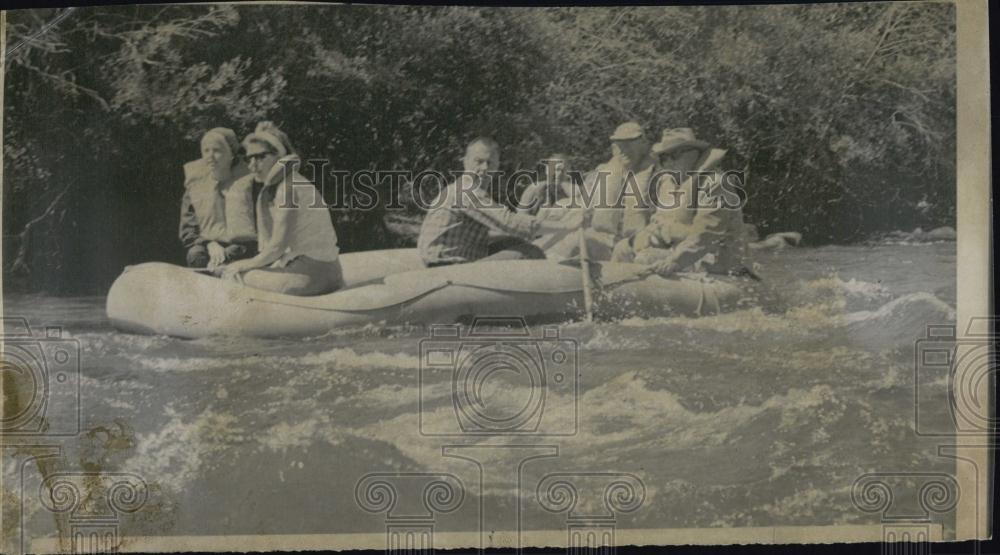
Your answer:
<point x="588" y="295"/>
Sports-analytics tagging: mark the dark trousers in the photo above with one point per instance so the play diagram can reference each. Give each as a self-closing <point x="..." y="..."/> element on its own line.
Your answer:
<point x="505" y="248"/>
<point x="197" y="256"/>
<point x="514" y="248"/>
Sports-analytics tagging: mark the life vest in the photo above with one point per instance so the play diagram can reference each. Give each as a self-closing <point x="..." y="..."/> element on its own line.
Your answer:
<point x="225" y="211"/>
<point x="677" y="226"/>
<point x="678" y="207"/>
<point x="313" y="234"/>
<point x="622" y="207"/>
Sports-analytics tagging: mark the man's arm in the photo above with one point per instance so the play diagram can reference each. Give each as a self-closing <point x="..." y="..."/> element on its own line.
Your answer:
<point x="530" y="200"/>
<point x="255" y="191"/>
<point x="497" y="217"/>
<point x="711" y="229"/>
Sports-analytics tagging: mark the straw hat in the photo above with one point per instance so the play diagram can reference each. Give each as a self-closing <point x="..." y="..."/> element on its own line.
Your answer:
<point x="627" y="131"/>
<point x="679" y="138"/>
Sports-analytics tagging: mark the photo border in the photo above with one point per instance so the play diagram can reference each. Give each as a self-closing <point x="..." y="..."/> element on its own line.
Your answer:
<point x="974" y="292"/>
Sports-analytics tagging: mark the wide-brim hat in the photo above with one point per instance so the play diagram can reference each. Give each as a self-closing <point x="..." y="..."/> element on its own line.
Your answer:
<point x="679" y="138"/>
<point x="627" y="131"/>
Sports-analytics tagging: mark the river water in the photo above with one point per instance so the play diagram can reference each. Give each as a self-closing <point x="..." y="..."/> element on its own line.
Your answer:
<point x="752" y="418"/>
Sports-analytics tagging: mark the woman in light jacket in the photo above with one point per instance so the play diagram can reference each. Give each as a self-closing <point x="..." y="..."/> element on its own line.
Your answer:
<point x="297" y="244"/>
<point x="217" y="211"/>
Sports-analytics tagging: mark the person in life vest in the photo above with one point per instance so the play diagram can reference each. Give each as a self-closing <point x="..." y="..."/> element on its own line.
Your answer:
<point x="698" y="223"/>
<point x="456" y="228"/>
<point x="297" y="244"/>
<point x="217" y="211"/>
<point x="616" y="195"/>
<point x="547" y="193"/>
<point x="623" y="184"/>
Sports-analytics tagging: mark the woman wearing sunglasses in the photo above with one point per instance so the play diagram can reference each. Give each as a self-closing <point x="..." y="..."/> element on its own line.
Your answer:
<point x="297" y="244"/>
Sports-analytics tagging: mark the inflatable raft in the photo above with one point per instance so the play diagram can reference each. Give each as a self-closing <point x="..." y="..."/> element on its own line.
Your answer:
<point x="391" y="287"/>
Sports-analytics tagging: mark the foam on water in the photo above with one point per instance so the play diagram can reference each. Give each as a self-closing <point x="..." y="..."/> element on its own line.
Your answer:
<point x="110" y="343"/>
<point x="798" y="505"/>
<point x="902" y="312"/>
<point x="285" y="435"/>
<point x="336" y="358"/>
<point x="618" y="419"/>
<point x="852" y="287"/>
<point x="179" y="452"/>
<point x="886" y="322"/>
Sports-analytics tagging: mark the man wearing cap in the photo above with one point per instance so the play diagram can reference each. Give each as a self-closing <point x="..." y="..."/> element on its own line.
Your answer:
<point x="217" y="211"/>
<point x="622" y="185"/>
<point x="456" y="229"/>
<point x="698" y="223"/>
<point x="617" y="195"/>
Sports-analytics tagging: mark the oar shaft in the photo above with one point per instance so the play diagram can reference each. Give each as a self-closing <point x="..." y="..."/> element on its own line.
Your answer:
<point x="588" y="295"/>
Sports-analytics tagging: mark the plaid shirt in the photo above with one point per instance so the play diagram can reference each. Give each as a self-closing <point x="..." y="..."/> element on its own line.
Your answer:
<point x="457" y="228"/>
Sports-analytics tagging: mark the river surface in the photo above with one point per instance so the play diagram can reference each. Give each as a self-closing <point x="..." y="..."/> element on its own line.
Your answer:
<point x="752" y="418"/>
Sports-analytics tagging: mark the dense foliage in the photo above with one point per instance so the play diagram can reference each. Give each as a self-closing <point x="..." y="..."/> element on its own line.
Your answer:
<point x="842" y="115"/>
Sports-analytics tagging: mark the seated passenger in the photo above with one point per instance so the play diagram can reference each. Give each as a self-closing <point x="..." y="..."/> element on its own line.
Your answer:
<point x="297" y="243"/>
<point x="616" y="193"/>
<point x="217" y="211"/>
<point x="456" y="229"/>
<point x="544" y="194"/>
<point x="696" y="227"/>
<point x="622" y="186"/>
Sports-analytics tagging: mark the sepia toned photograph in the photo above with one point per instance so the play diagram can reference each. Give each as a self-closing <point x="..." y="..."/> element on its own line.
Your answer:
<point x="399" y="277"/>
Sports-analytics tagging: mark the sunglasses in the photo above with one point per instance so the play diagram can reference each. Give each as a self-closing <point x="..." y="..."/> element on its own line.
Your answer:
<point x="256" y="157"/>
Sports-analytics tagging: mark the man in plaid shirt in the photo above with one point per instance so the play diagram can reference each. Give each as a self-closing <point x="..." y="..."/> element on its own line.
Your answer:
<point x="456" y="229"/>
